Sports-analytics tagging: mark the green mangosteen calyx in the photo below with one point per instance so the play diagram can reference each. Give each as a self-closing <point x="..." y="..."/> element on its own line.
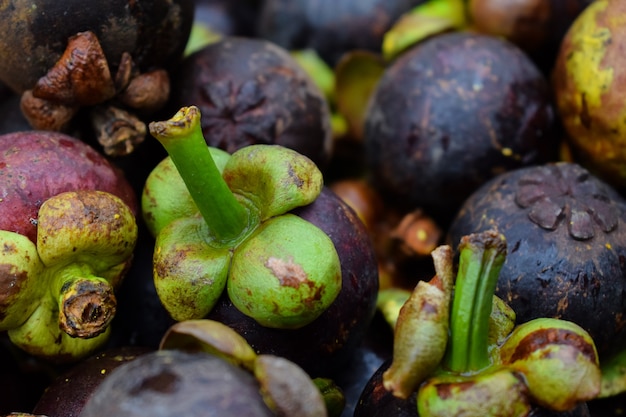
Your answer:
<point x="451" y="347"/>
<point x="57" y="297"/>
<point x="236" y="233"/>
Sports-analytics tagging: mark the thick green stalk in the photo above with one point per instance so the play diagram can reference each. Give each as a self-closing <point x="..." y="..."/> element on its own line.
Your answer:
<point x="181" y="136"/>
<point x="481" y="258"/>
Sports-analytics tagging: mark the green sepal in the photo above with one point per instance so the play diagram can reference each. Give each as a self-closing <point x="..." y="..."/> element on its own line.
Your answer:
<point x="86" y="227"/>
<point x="494" y="392"/>
<point x="210" y="336"/>
<point x="189" y="273"/>
<point x="273" y="178"/>
<point x="421" y="330"/>
<point x="21" y="279"/>
<point x="41" y="336"/>
<point x="558" y="359"/>
<point x="291" y="267"/>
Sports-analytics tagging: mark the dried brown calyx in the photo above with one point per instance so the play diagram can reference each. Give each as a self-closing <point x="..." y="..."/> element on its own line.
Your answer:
<point x="82" y="78"/>
<point x="555" y="196"/>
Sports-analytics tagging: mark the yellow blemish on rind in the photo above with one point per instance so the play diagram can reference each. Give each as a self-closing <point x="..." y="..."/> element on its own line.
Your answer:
<point x="584" y="62"/>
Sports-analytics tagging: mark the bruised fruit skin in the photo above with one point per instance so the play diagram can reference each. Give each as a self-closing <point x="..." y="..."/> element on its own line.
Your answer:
<point x="451" y="113"/>
<point x="564" y="229"/>
<point x="37" y="165"/>
<point x="589" y="89"/>
<point x="251" y="91"/>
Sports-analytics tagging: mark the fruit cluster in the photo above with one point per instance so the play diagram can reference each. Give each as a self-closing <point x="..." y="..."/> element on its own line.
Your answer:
<point x="312" y="208"/>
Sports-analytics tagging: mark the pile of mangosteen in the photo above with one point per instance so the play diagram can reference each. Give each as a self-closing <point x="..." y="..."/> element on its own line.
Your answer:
<point x="312" y="208"/>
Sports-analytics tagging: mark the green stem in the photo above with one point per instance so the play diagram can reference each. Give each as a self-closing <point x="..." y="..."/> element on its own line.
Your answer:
<point x="182" y="138"/>
<point x="482" y="256"/>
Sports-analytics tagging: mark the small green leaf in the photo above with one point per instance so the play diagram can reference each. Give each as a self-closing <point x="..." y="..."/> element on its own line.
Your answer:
<point x="189" y="273"/>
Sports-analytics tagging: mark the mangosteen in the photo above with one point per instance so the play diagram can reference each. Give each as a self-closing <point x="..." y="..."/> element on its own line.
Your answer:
<point x="111" y="58"/>
<point x="452" y="112"/>
<point x="252" y="91"/>
<point x="566" y="246"/>
<point x="329" y="27"/>
<point x="324" y="345"/>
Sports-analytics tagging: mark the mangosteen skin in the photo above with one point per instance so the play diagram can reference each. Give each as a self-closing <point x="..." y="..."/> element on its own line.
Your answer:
<point x="327" y="344"/>
<point x="330" y="27"/>
<point x="154" y="32"/>
<point x="566" y="238"/>
<point x="377" y="401"/>
<point x="36" y="165"/>
<point x="251" y="91"/>
<point x="176" y="383"/>
<point x="452" y="112"/>
<point x="69" y="392"/>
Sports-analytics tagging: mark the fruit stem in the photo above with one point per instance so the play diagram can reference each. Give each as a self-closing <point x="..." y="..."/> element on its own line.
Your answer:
<point x="182" y="138"/>
<point x="86" y="302"/>
<point x="481" y="258"/>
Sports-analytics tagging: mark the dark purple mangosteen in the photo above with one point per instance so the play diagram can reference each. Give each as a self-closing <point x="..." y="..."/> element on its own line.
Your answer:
<point x="452" y="112"/>
<point x="566" y="246"/>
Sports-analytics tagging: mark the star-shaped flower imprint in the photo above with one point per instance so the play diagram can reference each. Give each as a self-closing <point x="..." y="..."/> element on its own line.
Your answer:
<point x="554" y="195"/>
<point x="236" y="116"/>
